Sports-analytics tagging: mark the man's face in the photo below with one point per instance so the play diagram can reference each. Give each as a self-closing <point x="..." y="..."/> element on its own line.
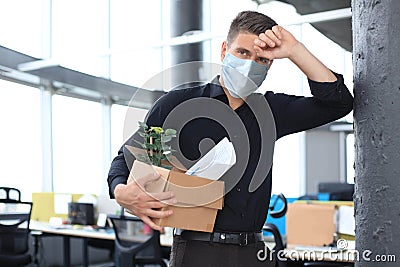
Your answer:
<point x="243" y="47"/>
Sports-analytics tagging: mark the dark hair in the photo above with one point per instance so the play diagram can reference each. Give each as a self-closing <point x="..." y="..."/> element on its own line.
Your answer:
<point x="249" y="22"/>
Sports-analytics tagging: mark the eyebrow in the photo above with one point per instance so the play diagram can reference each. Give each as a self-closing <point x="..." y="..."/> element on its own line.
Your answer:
<point x="247" y="51"/>
<point x="244" y="49"/>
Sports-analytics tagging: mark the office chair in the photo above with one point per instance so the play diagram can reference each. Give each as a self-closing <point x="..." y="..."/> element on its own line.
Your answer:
<point x="9" y="194"/>
<point x="102" y="244"/>
<point x="279" y="246"/>
<point x="270" y="227"/>
<point x="278" y="213"/>
<point x="14" y="233"/>
<point x="132" y="246"/>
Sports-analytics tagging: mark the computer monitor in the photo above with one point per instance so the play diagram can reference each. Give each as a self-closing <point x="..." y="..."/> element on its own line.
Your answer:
<point x="337" y="191"/>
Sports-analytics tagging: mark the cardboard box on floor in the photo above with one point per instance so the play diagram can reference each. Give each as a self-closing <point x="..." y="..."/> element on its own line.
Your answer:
<point x="199" y="199"/>
<point x="310" y="224"/>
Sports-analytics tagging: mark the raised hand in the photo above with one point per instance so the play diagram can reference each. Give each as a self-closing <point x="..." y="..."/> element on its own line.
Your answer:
<point x="275" y="43"/>
<point x="280" y="43"/>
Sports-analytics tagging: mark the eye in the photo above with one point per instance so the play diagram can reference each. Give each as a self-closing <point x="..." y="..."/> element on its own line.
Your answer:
<point x="242" y="52"/>
<point x="264" y="61"/>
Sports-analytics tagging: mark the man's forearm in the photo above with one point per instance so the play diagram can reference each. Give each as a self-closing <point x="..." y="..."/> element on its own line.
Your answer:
<point x="311" y="66"/>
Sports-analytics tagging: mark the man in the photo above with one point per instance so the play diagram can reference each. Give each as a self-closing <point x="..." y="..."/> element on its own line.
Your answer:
<point x="253" y="42"/>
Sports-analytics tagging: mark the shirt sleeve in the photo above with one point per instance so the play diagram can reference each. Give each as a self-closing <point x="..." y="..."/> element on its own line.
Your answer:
<point x="330" y="101"/>
<point x="118" y="173"/>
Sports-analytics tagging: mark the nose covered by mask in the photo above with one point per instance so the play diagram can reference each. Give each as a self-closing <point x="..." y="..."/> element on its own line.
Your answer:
<point x="242" y="77"/>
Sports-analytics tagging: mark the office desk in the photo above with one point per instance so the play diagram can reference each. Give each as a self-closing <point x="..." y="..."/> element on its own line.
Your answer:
<point x="67" y="233"/>
<point x="84" y="233"/>
<point x="71" y="231"/>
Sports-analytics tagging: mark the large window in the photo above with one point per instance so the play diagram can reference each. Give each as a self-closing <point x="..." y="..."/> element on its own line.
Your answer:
<point x="136" y="34"/>
<point x="80" y="35"/>
<point x="124" y="122"/>
<point x="23" y="26"/>
<point x="77" y="146"/>
<point x="20" y="138"/>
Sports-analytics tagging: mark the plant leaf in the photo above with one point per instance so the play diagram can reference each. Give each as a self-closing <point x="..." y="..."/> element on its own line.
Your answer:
<point x="149" y="146"/>
<point x="170" y="132"/>
<point x="166" y="138"/>
<point x="144" y="158"/>
<point x="143" y="134"/>
<point x="143" y="125"/>
<point x="141" y="144"/>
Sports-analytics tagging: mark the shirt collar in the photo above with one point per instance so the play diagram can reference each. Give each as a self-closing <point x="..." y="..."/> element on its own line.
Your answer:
<point x="216" y="88"/>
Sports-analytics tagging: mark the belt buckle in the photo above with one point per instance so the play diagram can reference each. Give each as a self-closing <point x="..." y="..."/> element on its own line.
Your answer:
<point x="243" y="241"/>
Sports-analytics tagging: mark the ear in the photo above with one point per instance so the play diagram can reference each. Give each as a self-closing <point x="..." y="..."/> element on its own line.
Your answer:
<point x="224" y="48"/>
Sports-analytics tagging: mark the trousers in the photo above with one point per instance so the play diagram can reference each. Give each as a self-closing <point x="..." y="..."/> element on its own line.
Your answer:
<point x="192" y="253"/>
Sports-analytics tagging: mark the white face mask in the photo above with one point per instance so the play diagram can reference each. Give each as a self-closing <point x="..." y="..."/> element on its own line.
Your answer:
<point x="242" y="77"/>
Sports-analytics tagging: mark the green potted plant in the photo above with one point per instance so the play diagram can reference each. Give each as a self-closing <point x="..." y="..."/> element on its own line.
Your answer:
<point x="155" y="141"/>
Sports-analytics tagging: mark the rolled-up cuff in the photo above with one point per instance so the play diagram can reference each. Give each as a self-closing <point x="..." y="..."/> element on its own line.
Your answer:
<point x="116" y="181"/>
<point x="328" y="91"/>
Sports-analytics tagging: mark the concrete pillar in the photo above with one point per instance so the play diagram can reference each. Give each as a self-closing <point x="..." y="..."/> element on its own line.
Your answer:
<point x="376" y="59"/>
<point x="186" y="16"/>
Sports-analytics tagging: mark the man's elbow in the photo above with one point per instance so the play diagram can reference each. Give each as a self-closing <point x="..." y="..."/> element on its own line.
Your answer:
<point x="348" y="104"/>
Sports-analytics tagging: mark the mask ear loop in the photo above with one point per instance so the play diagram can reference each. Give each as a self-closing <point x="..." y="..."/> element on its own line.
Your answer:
<point x="270" y="63"/>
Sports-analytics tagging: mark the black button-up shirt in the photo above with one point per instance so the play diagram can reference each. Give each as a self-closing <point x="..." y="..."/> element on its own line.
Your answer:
<point x="243" y="211"/>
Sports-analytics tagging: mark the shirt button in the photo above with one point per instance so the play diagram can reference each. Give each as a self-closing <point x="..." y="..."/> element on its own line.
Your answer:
<point x="238" y="189"/>
<point x="242" y="215"/>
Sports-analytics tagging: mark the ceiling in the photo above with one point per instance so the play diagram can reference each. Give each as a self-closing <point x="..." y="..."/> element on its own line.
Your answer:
<point x="338" y="30"/>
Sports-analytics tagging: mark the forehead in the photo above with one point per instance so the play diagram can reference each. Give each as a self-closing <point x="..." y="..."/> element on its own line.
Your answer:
<point x="244" y="39"/>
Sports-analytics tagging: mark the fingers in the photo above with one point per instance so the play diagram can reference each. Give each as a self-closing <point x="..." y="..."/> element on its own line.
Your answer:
<point x="145" y="205"/>
<point x="274" y="43"/>
<point x="277" y="30"/>
<point x="272" y="36"/>
<point x="157" y="213"/>
<point x="268" y="39"/>
<point x="265" y="53"/>
<point x="156" y="204"/>
<point x="150" y="223"/>
<point x="146" y="215"/>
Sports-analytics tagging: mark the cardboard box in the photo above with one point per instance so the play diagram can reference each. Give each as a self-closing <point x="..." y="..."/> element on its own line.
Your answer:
<point x="199" y="199"/>
<point x="310" y="224"/>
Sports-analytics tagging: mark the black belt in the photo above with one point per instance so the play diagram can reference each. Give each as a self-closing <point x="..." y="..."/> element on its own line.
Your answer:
<point x="241" y="239"/>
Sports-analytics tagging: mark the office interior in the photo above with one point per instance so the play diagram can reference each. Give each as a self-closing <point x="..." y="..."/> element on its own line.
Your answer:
<point x="74" y="80"/>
